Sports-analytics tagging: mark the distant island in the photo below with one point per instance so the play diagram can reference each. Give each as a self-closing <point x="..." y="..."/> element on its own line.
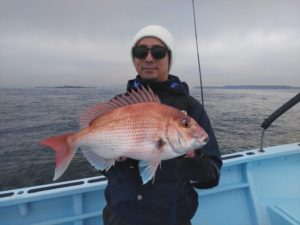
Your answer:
<point x="66" y="86"/>
<point x="252" y="87"/>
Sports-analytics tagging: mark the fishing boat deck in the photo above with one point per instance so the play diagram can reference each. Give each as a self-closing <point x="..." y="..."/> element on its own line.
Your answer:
<point x="256" y="188"/>
<point x="284" y="211"/>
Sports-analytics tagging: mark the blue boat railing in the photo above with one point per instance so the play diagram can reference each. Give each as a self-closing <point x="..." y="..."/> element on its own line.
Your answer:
<point x="280" y="111"/>
<point x="256" y="188"/>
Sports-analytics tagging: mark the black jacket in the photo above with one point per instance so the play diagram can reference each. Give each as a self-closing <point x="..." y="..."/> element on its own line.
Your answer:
<point x="171" y="199"/>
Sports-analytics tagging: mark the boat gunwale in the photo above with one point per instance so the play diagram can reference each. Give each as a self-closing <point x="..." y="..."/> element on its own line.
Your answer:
<point x="35" y="193"/>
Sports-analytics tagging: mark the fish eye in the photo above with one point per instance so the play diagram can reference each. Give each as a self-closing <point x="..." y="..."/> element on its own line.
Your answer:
<point x="185" y="122"/>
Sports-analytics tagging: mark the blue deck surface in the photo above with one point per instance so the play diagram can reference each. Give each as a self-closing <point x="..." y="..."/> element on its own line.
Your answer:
<point x="256" y="188"/>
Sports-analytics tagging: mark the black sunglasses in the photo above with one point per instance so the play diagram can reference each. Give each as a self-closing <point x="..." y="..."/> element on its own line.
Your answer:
<point x="141" y="51"/>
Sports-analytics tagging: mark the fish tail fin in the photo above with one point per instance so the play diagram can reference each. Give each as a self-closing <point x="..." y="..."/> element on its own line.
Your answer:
<point x="64" y="148"/>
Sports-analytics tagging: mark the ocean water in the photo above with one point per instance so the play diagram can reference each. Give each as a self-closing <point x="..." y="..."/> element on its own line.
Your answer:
<point x="29" y="115"/>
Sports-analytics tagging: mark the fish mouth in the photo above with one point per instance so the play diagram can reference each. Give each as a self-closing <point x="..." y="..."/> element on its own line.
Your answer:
<point x="202" y="139"/>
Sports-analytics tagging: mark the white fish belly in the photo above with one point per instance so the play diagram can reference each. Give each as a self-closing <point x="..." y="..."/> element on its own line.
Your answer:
<point x="121" y="143"/>
<point x="168" y="153"/>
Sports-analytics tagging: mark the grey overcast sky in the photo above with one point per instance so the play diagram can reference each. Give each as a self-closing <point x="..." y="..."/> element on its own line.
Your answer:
<point x="78" y="42"/>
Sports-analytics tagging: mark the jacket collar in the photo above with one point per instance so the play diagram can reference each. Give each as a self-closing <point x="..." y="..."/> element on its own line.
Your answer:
<point x="173" y="84"/>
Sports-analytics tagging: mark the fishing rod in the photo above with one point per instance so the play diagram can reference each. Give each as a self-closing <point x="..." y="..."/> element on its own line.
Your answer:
<point x="268" y="121"/>
<point x="198" y="57"/>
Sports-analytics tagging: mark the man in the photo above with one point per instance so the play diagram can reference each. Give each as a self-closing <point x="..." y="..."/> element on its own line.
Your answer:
<point x="171" y="199"/>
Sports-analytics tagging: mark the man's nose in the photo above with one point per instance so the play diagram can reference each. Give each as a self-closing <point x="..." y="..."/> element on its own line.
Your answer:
<point x="149" y="57"/>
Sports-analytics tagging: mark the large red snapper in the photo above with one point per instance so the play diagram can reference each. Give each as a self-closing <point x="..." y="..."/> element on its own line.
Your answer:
<point x="134" y="125"/>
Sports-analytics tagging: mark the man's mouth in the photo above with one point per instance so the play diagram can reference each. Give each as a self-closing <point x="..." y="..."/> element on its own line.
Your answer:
<point x="149" y="68"/>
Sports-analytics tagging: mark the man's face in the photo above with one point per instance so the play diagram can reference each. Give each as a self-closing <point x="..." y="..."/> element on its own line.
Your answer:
<point x="151" y="67"/>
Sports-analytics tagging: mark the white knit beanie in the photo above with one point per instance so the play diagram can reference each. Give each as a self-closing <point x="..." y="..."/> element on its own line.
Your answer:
<point x="158" y="32"/>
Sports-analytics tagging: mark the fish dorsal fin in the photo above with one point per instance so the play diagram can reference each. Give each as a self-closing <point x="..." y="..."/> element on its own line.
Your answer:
<point x="129" y="98"/>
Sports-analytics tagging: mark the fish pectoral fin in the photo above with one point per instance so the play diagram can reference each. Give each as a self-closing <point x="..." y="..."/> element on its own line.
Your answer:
<point x="98" y="162"/>
<point x="160" y="143"/>
<point x="147" y="169"/>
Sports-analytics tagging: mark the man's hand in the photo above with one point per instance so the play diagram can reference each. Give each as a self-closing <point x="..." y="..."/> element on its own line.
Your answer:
<point x="190" y="154"/>
<point x="121" y="159"/>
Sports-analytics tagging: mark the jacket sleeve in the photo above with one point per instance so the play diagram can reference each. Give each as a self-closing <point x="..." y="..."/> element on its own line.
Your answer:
<point x="204" y="169"/>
